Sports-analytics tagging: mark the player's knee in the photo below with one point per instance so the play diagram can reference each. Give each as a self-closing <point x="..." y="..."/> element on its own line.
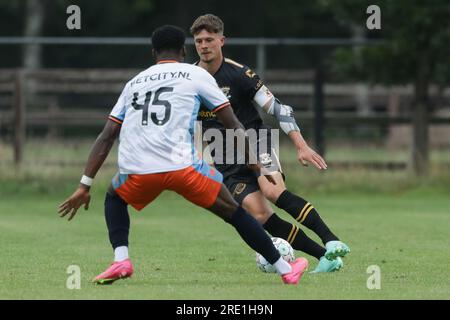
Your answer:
<point x="261" y="216"/>
<point x="260" y="213"/>
<point x="225" y="212"/>
<point x="224" y="206"/>
<point x="229" y="209"/>
<point x="271" y="193"/>
<point x="229" y="205"/>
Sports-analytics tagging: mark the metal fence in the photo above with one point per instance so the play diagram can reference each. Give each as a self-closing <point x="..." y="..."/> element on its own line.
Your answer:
<point x="260" y="44"/>
<point x="303" y="88"/>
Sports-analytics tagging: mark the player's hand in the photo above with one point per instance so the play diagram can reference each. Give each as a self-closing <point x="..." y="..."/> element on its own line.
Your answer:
<point x="76" y="200"/>
<point x="307" y="155"/>
<point x="260" y="169"/>
<point x="266" y="173"/>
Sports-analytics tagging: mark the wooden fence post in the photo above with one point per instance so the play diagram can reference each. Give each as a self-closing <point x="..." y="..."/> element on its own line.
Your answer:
<point x="53" y="112"/>
<point x="319" y="117"/>
<point x="19" y="116"/>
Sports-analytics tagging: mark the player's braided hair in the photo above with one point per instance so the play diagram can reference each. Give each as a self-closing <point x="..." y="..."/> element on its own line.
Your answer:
<point x="209" y="22"/>
<point x="168" y="38"/>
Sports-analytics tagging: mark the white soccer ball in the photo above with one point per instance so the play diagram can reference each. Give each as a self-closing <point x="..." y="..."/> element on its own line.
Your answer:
<point x="285" y="250"/>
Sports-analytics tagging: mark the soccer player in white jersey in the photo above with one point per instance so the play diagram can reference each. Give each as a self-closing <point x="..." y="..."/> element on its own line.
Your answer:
<point x="155" y="117"/>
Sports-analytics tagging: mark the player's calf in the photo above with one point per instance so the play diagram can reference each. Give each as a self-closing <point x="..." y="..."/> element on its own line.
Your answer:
<point x="305" y="213"/>
<point x="117" y="220"/>
<point x="298" y="239"/>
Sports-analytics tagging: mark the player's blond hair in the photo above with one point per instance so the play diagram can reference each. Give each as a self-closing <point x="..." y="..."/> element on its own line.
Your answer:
<point x="208" y="22"/>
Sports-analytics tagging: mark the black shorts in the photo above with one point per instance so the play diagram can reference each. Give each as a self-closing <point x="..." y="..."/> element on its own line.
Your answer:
<point x="240" y="180"/>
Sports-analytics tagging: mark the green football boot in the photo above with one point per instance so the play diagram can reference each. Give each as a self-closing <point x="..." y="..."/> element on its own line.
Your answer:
<point x="326" y="265"/>
<point x="336" y="249"/>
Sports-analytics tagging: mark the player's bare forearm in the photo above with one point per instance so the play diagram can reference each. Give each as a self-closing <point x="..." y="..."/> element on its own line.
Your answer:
<point x="297" y="139"/>
<point x="228" y="119"/>
<point x="101" y="148"/>
<point x="306" y="154"/>
<point x="286" y="118"/>
<point x="99" y="152"/>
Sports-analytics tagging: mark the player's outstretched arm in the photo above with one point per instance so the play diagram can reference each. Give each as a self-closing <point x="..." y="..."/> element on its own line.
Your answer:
<point x="285" y="116"/>
<point x="229" y="121"/>
<point x="97" y="156"/>
<point x="306" y="154"/>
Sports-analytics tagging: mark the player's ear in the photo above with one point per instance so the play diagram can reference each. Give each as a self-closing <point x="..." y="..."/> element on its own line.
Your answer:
<point x="222" y="40"/>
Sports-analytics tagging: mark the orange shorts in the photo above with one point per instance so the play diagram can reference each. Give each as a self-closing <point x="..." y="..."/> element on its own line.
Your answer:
<point x="198" y="183"/>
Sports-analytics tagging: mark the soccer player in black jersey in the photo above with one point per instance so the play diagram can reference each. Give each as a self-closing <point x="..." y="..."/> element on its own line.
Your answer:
<point x="247" y="93"/>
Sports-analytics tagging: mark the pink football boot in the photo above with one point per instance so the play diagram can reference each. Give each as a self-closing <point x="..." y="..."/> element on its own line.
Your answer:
<point x="116" y="271"/>
<point x="299" y="266"/>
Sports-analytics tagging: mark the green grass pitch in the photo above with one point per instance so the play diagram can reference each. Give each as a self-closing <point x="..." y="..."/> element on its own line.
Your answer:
<point x="182" y="252"/>
<point x="389" y="219"/>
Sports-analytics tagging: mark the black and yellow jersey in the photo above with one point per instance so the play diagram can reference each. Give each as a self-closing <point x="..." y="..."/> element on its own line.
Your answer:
<point x="240" y="84"/>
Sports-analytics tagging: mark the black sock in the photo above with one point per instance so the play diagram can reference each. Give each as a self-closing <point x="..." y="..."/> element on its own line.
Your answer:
<point x="303" y="212"/>
<point x="117" y="220"/>
<point x="280" y="228"/>
<point x="254" y="235"/>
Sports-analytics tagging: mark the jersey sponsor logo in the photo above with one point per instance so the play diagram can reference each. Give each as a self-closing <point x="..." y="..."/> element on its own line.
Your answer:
<point x="249" y="73"/>
<point x="239" y="189"/>
<point x="206" y="114"/>
<point x="259" y="84"/>
<point x="162" y="76"/>
<point x="266" y="159"/>
<point x="226" y="92"/>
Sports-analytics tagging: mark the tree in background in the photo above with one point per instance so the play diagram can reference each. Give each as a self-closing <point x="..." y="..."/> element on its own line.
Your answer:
<point x="415" y="49"/>
<point x="138" y="18"/>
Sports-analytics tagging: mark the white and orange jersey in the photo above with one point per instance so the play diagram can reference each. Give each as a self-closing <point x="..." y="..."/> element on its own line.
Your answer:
<point x="158" y="109"/>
